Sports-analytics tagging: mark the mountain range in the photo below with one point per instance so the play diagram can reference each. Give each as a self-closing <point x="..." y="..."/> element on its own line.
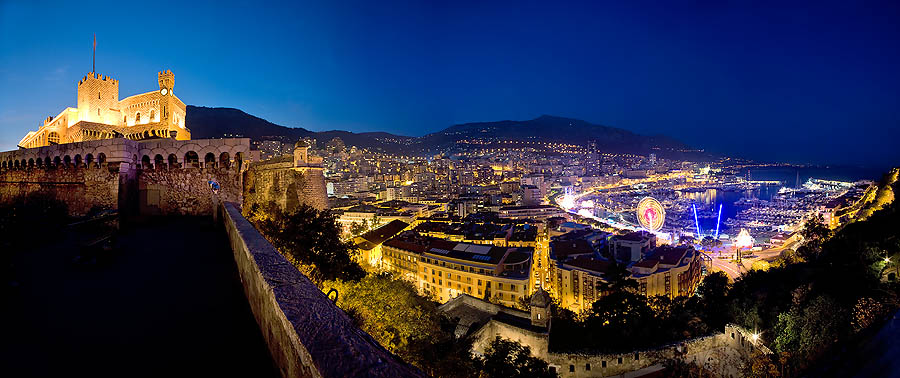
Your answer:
<point x="206" y="122"/>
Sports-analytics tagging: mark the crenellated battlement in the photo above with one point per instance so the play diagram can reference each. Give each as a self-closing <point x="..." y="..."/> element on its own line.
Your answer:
<point x="166" y="79"/>
<point x="96" y="76"/>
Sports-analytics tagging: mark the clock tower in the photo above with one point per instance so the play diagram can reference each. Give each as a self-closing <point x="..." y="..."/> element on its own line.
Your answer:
<point x="166" y="82"/>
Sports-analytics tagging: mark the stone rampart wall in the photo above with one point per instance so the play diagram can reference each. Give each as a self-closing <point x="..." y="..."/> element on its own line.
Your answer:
<point x="726" y="351"/>
<point x="186" y="191"/>
<point x="157" y="176"/>
<point x="82" y="189"/>
<point x="286" y="187"/>
<point x="307" y="335"/>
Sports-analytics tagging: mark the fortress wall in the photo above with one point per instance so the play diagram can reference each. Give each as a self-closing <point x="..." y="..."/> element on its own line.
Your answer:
<point x="109" y="173"/>
<point x="721" y="352"/>
<point x="307" y="335"/>
<point x="186" y="191"/>
<point x="286" y="187"/>
<point x="82" y="189"/>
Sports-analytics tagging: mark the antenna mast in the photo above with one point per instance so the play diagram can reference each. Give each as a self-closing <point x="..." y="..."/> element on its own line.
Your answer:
<point x="94" y="56"/>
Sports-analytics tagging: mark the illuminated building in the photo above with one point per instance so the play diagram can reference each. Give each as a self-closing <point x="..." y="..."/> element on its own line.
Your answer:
<point x="530" y="212"/>
<point x="578" y="267"/>
<point x="101" y="115"/>
<point x="369" y="243"/>
<point x="633" y="246"/>
<point x="446" y="269"/>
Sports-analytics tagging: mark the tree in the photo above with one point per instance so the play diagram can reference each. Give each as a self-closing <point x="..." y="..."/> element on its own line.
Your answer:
<point x="616" y="279"/>
<point x="509" y="359"/>
<point x="309" y="237"/>
<point x="815" y="232"/>
<point x="405" y="323"/>
<point x="358" y="228"/>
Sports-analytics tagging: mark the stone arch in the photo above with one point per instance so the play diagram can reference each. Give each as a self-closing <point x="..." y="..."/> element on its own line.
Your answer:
<point x="39" y="163"/>
<point x="209" y="160"/>
<point x="239" y="160"/>
<point x="173" y="161"/>
<point x="57" y="161"/>
<point x="16" y="163"/>
<point x="137" y="118"/>
<point x="88" y="159"/>
<point x="147" y="134"/>
<point x="101" y="158"/>
<point x="48" y="162"/>
<point x="67" y="160"/>
<point x="152" y="114"/>
<point x="145" y="162"/>
<point x="3" y="164"/>
<point x="77" y="160"/>
<point x="53" y="137"/>
<point x="191" y="159"/>
<point x="224" y="160"/>
<point x="158" y="161"/>
<point x="31" y="163"/>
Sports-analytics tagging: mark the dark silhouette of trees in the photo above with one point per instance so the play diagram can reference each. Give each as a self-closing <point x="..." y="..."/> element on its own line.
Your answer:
<point x="509" y="359"/>
<point x="309" y="237"/>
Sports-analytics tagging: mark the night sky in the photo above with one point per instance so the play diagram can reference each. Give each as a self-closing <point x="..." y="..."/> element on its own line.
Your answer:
<point x="813" y="83"/>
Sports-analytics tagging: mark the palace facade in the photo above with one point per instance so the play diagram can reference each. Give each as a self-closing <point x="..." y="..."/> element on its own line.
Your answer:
<point x="101" y="115"/>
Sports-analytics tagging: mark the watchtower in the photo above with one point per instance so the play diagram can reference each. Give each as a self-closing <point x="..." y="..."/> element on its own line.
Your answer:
<point x="540" y="308"/>
<point x="166" y="80"/>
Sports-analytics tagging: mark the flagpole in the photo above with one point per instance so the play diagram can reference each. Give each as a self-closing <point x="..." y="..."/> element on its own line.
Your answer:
<point x="94" y="56"/>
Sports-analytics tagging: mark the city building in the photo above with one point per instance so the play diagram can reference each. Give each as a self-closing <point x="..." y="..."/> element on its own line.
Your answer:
<point x="536" y="212"/>
<point x="100" y="114"/>
<point x="446" y="269"/>
<point x="632" y="246"/>
<point x="369" y="243"/>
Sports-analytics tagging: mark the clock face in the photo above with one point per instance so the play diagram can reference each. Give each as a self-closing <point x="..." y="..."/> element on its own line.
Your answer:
<point x="164" y="91"/>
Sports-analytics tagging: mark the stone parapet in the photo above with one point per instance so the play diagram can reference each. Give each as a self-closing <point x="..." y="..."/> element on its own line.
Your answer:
<point x="307" y="335"/>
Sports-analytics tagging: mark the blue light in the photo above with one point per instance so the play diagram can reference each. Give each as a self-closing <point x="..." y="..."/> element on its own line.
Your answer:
<point x="697" y="221"/>
<point x="718" y="221"/>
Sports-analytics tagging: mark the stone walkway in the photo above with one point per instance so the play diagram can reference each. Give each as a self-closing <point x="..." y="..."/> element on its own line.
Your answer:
<point x="170" y="303"/>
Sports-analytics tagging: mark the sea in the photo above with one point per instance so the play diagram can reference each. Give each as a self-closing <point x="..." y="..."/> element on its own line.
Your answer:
<point x="790" y="177"/>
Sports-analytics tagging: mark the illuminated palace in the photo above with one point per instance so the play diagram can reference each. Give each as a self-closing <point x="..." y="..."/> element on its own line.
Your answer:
<point x="101" y="115"/>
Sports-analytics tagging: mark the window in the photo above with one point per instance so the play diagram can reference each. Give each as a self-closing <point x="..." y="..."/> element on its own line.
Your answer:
<point x="439" y="273"/>
<point x="512" y="287"/>
<point x="539" y="318"/>
<point x="620" y="360"/>
<point x="440" y="282"/>
<point x="587" y="367"/>
<point x="479" y="284"/>
<point x="499" y="285"/>
<point x="571" y="368"/>
<point x="425" y="269"/>
<point x="636" y="356"/>
<point x="603" y="364"/>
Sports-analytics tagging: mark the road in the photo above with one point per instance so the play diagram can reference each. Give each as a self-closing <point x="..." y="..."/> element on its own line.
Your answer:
<point x="735" y="270"/>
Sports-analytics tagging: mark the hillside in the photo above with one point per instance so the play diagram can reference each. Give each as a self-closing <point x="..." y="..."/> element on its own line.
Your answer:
<point x="216" y="122"/>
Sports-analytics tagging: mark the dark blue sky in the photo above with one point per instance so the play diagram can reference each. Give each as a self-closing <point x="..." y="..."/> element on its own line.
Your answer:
<point x="815" y="82"/>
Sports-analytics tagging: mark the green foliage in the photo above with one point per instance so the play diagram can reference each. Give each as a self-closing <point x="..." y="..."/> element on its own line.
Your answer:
<point x="390" y="310"/>
<point x="509" y="359"/>
<point x="309" y="237"/>
<point x="624" y="320"/>
<point x="815" y="232"/>
<point x="808" y="330"/>
<point x="357" y="228"/>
